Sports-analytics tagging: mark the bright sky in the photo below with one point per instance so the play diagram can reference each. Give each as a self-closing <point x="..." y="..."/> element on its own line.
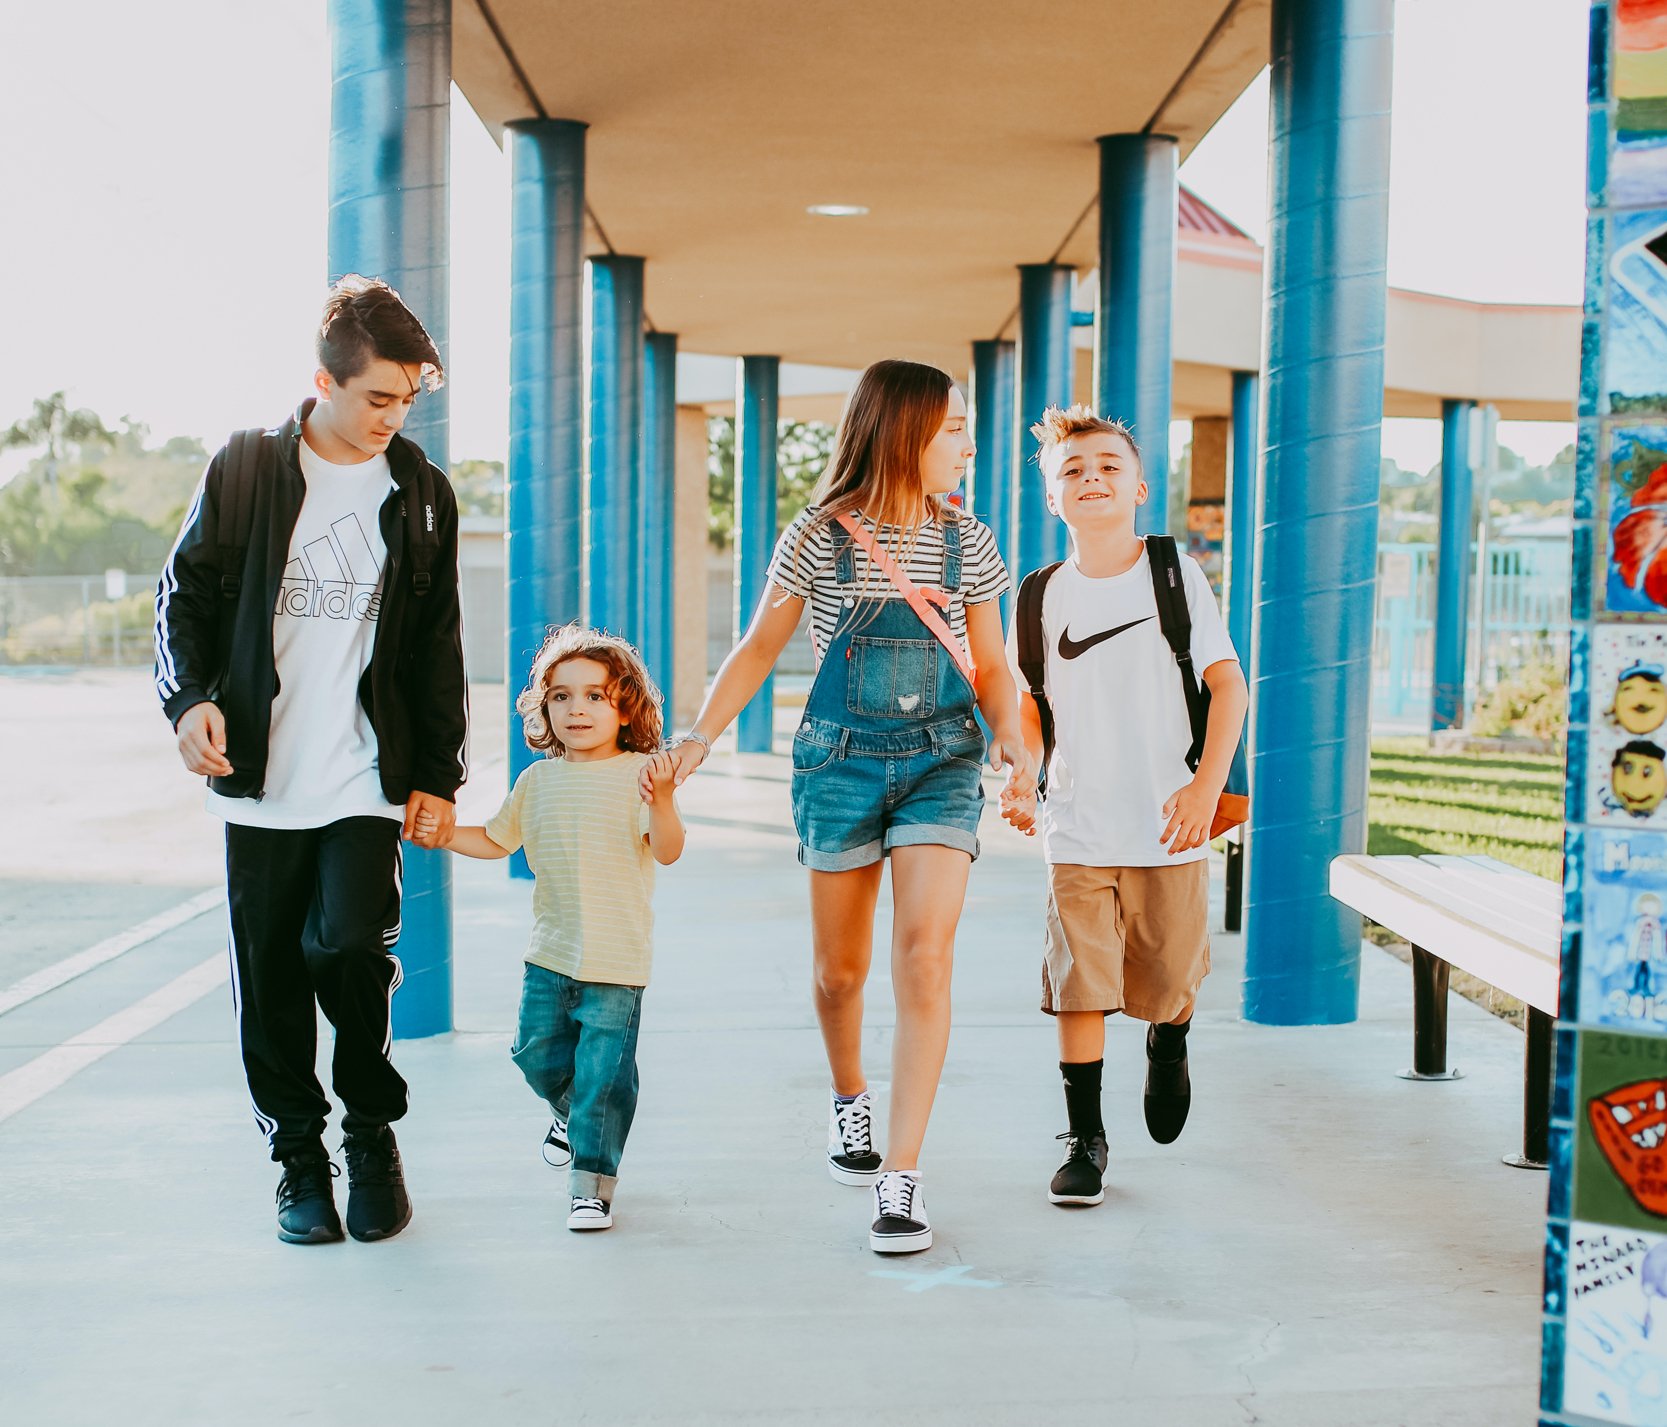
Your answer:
<point x="164" y="169"/>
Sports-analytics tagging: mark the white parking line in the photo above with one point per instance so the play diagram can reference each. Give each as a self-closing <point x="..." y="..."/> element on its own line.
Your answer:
<point x="20" y="1088"/>
<point x="54" y="976"/>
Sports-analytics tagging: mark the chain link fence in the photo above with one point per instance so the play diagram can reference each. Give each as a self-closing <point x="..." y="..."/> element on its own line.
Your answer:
<point x="77" y="619"/>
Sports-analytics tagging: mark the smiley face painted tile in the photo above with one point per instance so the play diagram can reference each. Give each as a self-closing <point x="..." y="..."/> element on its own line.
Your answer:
<point x="1627" y="746"/>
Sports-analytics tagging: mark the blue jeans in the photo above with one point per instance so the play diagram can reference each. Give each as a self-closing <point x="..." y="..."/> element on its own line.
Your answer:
<point x="576" y="1043"/>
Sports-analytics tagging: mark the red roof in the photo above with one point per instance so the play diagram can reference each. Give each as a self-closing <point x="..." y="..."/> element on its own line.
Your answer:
<point x="1196" y="216"/>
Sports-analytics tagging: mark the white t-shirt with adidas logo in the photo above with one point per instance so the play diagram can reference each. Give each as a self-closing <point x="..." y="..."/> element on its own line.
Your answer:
<point x="321" y="760"/>
<point x="1120" y="715"/>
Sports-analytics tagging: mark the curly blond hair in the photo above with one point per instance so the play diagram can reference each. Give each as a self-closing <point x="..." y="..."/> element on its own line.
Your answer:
<point x="631" y="690"/>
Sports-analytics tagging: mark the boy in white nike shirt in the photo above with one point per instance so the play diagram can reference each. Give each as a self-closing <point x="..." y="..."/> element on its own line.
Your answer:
<point x="1125" y="822"/>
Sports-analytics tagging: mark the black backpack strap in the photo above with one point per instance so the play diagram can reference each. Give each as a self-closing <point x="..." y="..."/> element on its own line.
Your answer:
<point x="1169" y="586"/>
<point x="1033" y="656"/>
<point x="422" y="525"/>
<point x="237" y="508"/>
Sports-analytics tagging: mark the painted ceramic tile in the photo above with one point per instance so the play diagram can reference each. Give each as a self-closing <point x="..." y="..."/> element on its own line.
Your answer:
<point x="1635" y="353"/>
<point x="1623" y="981"/>
<point x="1635" y="490"/>
<point x="1615" y="1342"/>
<point x="1626" y="778"/>
<point x="1639" y="171"/>
<point x="1620" y="1151"/>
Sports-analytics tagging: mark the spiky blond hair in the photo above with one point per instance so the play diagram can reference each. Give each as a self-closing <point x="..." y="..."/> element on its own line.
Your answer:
<point x="1059" y="424"/>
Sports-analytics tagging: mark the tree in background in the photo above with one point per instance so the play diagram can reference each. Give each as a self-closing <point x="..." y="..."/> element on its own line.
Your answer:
<point x="802" y="451"/>
<point x="53" y="425"/>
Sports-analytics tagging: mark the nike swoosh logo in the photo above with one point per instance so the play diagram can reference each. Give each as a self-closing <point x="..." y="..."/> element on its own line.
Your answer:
<point x="1070" y="648"/>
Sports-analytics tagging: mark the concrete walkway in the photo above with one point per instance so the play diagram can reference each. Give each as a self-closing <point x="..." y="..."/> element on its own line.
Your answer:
<point x="1325" y="1245"/>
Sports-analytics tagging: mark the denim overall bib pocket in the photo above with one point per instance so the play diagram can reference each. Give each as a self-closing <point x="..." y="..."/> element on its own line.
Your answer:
<point x="888" y="753"/>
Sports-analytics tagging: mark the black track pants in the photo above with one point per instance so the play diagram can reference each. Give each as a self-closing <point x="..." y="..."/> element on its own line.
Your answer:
<point x="315" y="915"/>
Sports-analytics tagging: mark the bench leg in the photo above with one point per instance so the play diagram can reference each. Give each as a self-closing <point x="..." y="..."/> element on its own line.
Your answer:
<point x="1234" y="916"/>
<point x="1429" y="1018"/>
<point x="1537" y="1057"/>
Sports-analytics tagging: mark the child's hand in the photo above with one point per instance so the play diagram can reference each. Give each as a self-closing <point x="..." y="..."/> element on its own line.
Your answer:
<point x="425" y="832"/>
<point x="659" y="775"/>
<point x="683" y="760"/>
<point x="1189" y="813"/>
<point x="1019" y="807"/>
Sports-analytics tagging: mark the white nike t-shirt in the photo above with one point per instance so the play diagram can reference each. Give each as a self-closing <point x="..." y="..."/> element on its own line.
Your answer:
<point x="321" y="759"/>
<point x="1120" y="717"/>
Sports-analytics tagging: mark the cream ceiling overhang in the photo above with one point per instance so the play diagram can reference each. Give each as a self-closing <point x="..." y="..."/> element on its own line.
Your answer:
<point x="967" y="130"/>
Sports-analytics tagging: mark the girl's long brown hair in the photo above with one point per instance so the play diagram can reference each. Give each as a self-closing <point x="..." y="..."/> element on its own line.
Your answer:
<point x="629" y="686"/>
<point x="895" y="410"/>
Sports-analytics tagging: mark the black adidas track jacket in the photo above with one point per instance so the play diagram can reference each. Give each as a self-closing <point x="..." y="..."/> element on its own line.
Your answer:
<point x="218" y="649"/>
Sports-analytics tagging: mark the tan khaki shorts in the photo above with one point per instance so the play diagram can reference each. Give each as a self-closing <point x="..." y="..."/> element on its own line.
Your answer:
<point x="1131" y="939"/>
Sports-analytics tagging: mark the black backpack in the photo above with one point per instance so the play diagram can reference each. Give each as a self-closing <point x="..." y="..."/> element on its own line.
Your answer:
<point x="235" y="523"/>
<point x="1176" y="624"/>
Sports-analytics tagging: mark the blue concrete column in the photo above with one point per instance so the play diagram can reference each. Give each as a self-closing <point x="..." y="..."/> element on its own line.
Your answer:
<point x="1135" y="308"/>
<point x="992" y="433"/>
<point x="756" y="405"/>
<point x="1044" y="361"/>
<point x="659" y="506"/>
<point x="1241" y="513"/>
<point x="390" y="175"/>
<point x="613" y="545"/>
<point x="1317" y="543"/>
<point x="545" y="495"/>
<point x="1452" y="575"/>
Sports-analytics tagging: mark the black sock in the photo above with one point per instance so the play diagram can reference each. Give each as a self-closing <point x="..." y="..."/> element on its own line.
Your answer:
<point x="1082" y="1097"/>
<point x="1170" y="1042"/>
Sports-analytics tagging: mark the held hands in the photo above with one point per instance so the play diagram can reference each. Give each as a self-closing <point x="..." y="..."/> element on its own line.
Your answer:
<point x="1188" y="814"/>
<point x="1019" y="808"/>
<point x="680" y="760"/>
<point x="429" y="820"/>
<point x="660" y="775"/>
<point x="202" y="740"/>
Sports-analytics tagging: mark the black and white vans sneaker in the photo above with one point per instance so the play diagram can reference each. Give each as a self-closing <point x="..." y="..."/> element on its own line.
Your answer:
<point x="590" y="1214"/>
<point x="851" y="1156"/>
<point x="557" y="1152"/>
<point x="899" y="1225"/>
<point x="1081" y="1178"/>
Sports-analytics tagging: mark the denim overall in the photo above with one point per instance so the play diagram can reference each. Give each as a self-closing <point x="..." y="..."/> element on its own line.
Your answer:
<point x="889" y="753"/>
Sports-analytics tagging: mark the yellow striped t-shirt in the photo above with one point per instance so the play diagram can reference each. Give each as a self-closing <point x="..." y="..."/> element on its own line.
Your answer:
<point x="584" y="826"/>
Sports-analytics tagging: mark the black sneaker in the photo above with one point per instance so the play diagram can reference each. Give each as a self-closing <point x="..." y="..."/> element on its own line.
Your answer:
<point x="1081" y="1178"/>
<point x="557" y="1149"/>
<point x="900" y="1225"/>
<point x="1168" y="1094"/>
<point x="851" y="1157"/>
<point x="377" y="1206"/>
<point x="306" y="1202"/>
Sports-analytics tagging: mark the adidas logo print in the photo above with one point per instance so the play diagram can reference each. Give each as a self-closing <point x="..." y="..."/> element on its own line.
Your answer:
<point x="334" y="577"/>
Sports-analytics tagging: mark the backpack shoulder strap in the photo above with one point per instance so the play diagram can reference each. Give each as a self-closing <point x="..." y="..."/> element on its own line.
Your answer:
<point x="1032" y="651"/>
<point x="422" y="526"/>
<point x="1169" y="587"/>
<point x="237" y="508"/>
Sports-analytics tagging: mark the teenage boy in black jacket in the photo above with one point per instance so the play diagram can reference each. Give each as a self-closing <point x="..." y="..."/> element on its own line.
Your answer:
<point x="309" y="655"/>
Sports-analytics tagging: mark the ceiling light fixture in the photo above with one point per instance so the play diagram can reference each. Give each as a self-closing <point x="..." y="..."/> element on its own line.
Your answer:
<point x="837" y="210"/>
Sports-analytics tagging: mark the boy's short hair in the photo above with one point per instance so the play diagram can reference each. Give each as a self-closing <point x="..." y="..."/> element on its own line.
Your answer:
<point x="1059" y="424"/>
<point x="364" y="318"/>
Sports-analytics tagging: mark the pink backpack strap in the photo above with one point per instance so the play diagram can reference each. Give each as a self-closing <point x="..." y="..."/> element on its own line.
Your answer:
<point x="919" y="600"/>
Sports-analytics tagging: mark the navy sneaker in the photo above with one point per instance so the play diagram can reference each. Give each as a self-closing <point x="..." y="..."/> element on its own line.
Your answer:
<point x="377" y="1205"/>
<point x="306" y="1201"/>
<point x="900" y="1225"/>
<point x="851" y="1156"/>
<point x="1081" y="1178"/>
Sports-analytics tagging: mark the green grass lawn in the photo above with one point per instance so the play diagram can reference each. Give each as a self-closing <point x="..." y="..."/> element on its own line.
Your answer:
<point x="1508" y="806"/>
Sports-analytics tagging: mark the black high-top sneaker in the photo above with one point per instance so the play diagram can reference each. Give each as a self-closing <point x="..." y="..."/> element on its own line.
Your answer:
<point x="306" y="1202"/>
<point x="1168" y="1094"/>
<point x="900" y="1225"/>
<point x="851" y="1156"/>
<point x="377" y="1206"/>
<point x="557" y="1149"/>
<point x="1081" y="1178"/>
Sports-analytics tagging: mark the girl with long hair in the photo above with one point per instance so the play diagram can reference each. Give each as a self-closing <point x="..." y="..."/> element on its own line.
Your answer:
<point x="903" y="589"/>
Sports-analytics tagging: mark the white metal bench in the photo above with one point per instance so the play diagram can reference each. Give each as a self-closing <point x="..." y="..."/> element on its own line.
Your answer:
<point x="1499" y="923"/>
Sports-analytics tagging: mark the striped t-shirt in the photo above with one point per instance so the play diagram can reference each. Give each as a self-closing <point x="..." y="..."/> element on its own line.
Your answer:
<point x="809" y="570"/>
<point x="585" y="827"/>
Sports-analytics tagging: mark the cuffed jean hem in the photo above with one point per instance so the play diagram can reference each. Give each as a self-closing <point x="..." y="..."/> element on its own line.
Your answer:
<point x="587" y="1184"/>
<point x="848" y="861"/>
<point x="932" y="835"/>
